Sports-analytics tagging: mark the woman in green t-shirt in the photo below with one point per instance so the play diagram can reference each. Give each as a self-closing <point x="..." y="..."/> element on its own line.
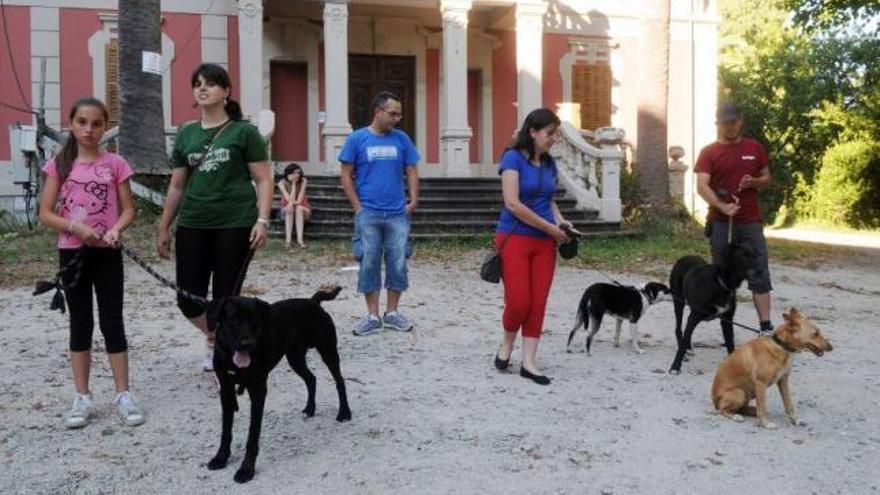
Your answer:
<point x="216" y="163"/>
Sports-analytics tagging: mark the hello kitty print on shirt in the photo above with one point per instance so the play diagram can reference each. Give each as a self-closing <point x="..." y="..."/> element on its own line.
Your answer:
<point x="89" y="194"/>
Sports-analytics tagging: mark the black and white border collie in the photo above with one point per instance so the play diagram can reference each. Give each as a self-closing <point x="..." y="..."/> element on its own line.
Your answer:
<point x="623" y="302"/>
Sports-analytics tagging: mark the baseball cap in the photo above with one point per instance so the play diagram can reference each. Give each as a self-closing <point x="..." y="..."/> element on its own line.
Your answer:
<point x="727" y="112"/>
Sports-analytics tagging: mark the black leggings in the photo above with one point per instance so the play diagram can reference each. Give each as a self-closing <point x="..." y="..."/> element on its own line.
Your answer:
<point x="101" y="269"/>
<point x="203" y="252"/>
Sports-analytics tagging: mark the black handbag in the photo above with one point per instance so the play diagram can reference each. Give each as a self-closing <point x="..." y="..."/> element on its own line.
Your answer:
<point x="490" y="270"/>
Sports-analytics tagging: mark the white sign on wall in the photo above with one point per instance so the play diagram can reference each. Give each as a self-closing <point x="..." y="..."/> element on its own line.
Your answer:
<point x="152" y="63"/>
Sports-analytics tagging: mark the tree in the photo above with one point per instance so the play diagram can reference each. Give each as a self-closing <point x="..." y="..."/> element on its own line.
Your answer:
<point x="804" y="91"/>
<point x="141" y="129"/>
<point x="651" y="154"/>
<point x="815" y="15"/>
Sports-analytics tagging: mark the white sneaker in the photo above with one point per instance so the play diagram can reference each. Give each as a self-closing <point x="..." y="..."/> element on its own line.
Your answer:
<point x="80" y="412"/>
<point x="208" y="361"/>
<point x="128" y="409"/>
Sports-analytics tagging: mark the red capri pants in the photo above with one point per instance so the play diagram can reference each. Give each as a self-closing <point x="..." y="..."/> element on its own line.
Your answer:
<point x="527" y="265"/>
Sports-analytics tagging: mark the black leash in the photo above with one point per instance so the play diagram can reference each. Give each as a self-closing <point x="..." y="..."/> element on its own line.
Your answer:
<point x="611" y="279"/>
<point x="44" y="286"/>
<point x="236" y="290"/>
<point x="162" y="280"/>
<point x="757" y="331"/>
<point x="746" y="327"/>
<point x="184" y="293"/>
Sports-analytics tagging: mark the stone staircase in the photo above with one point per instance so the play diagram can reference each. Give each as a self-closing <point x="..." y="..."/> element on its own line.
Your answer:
<point x="448" y="208"/>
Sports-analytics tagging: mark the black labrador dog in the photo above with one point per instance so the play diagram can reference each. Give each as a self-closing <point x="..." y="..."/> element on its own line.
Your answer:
<point x="251" y="338"/>
<point x="709" y="290"/>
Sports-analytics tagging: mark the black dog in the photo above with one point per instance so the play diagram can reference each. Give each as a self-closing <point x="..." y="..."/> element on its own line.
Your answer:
<point x="622" y="302"/>
<point x="251" y="338"/>
<point x="709" y="291"/>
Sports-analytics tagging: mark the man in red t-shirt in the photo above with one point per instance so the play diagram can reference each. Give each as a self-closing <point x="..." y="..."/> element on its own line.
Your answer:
<point x="736" y="166"/>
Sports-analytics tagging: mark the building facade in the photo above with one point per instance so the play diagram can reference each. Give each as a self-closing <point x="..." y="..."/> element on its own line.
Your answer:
<point x="468" y="70"/>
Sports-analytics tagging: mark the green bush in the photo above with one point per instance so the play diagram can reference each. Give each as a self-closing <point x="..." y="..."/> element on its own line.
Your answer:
<point x="630" y="192"/>
<point x="847" y="187"/>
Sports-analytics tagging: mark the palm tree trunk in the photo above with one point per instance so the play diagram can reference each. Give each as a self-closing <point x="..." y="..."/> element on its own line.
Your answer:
<point x="141" y="129"/>
<point x="651" y="158"/>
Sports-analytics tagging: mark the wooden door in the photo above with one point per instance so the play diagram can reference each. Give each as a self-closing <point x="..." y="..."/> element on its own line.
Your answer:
<point x="290" y="98"/>
<point x="475" y="112"/>
<point x="370" y="74"/>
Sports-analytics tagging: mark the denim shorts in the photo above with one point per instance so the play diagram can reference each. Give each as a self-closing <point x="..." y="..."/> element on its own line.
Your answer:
<point x="378" y="236"/>
<point x="753" y="235"/>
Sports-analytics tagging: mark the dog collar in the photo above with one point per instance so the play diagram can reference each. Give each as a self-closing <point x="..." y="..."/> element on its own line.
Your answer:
<point x="782" y="344"/>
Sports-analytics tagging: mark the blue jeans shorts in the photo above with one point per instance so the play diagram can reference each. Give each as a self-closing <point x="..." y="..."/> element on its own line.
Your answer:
<point x="378" y="236"/>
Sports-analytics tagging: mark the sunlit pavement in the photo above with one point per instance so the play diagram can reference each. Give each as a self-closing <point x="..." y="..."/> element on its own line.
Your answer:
<point x="853" y="239"/>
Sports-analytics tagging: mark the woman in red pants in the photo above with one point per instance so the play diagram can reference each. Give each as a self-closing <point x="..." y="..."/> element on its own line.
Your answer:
<point x="526" y="236"/>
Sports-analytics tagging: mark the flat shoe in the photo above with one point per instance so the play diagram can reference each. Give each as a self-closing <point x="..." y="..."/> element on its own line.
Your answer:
<point x="501" y="364"/>
<point x="539" y="379"/>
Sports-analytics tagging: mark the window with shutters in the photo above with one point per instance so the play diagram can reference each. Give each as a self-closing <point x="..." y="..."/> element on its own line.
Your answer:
<point x="591" y="88"/>
<point x="111" y="69"/>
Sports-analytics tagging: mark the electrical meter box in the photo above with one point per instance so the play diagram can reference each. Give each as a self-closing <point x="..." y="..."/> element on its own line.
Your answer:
<point x="22" y="149"/>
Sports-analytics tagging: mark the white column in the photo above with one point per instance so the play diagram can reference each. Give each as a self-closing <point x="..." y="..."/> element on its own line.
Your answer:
<point x="336" y="125"/>
<point x="529" y="51"/>
<point x="46" y="45"/>
<point x="611" y="207"/>
<point x="250" y="49"/>
<point x="454" y="131"/>
<point x="215" y="40"/>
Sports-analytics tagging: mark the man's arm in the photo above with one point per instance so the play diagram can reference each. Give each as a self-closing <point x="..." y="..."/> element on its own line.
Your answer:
<point x="709" y="195"/>
<point x="760" y="182"/>
<point x="346" y="177"/>
<point x="412" y="182"/>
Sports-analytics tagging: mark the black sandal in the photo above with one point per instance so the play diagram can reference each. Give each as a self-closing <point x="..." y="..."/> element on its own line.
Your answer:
<point x="539" y="379"/>
<point x="501" y="364"/>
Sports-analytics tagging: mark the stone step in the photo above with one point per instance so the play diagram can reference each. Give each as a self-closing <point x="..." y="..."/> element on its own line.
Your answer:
<point x="418" y="226"/>
<point x="451" y="215"/>
<point x="323" y="180"/>
<point x="457" y="235"/>
<point x="448" y="208"/>
<point x="429" y="203"/>
<point x="451" y="192"/>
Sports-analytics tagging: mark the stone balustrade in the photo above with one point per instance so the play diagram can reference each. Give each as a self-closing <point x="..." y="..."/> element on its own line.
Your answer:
<point x="589" y="174"/>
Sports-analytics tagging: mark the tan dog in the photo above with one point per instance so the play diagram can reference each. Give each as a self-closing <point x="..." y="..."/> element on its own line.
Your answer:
<point x="750" y="369"/>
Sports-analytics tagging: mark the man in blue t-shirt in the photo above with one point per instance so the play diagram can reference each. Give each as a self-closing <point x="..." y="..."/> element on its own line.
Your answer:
<point x="374" y="160"/>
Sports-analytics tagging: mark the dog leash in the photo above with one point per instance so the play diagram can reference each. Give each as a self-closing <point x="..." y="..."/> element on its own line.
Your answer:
<point x="611" y="279"/>
<point x="127" y="251"/>
<point x="721" y="193"/>
<point x="43" y="286"/>
<point x="171" y="285"/>
<point x="744" y="326"/>
<point x="730" y="221"/>
<point x="757" y="331"/>
<point x="236" y="290"/>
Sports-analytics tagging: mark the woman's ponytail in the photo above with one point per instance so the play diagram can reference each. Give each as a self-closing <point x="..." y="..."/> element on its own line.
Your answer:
<point x="233" y="109"/>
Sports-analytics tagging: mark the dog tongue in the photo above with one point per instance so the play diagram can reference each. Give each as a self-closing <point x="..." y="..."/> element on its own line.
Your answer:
<point x="241" y="359"/>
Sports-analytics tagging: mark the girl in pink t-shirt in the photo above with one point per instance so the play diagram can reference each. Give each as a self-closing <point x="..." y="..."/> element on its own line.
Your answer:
<point x="87" y="199"/>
